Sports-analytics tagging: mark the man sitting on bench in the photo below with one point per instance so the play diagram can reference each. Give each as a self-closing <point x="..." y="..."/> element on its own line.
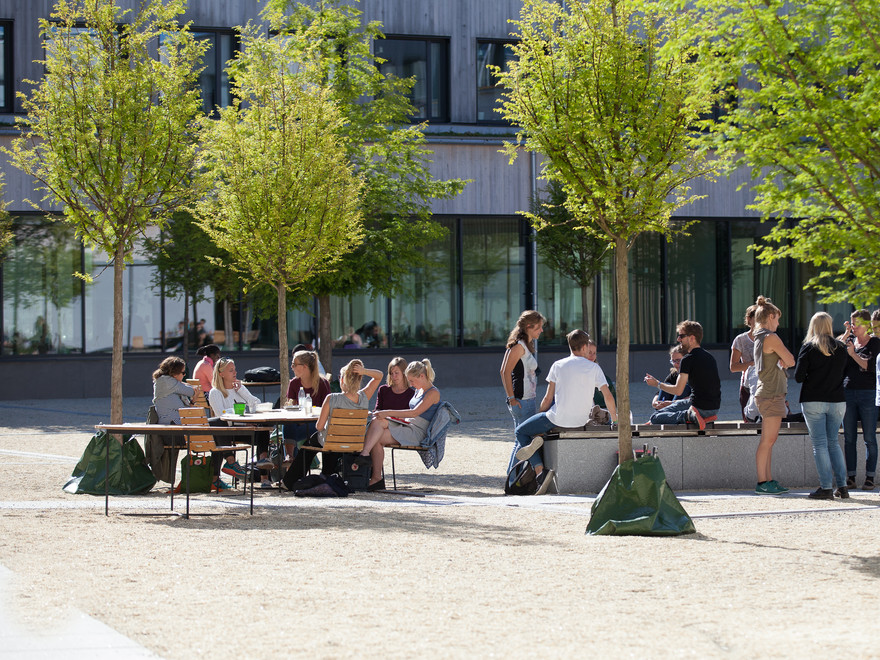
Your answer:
<point x="567" y="402"/>
<point x="700" y="371"/>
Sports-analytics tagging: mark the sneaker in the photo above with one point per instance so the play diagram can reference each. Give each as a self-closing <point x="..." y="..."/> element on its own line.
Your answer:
<point x="220" y="485"/>
<point x="233" y="469"/>
<point x="771" y="487"/>
<point x="525" y="453"/>
<point x="267" y="485"/>
<point x="762" y="488"/>
<point x="777" y="488"/>
<point x="869" y="484"/>
<point x="264" y="463"/>
<point x="695" y="417"/>
<point x="822" y="494"/>
<point x="544" y="480"/>
<point x="851" y="482"/>
<point x="842" y="493"/>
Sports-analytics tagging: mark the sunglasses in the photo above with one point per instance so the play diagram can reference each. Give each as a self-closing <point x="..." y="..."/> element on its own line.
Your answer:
<point x="680" y="336"/>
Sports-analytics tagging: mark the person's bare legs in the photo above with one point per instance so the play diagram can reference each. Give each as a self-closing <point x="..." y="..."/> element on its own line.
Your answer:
<point x="377" y="438"/>
<point x="769" y="434"/>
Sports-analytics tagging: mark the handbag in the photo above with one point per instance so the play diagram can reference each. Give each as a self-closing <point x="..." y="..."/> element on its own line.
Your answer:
<point x="356" y="471"/>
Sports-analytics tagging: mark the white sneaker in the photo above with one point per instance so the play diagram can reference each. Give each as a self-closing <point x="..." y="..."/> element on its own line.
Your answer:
<point x="544" y="480"/>
<point x="525" y="453"/>
<point x="266" y="485"/>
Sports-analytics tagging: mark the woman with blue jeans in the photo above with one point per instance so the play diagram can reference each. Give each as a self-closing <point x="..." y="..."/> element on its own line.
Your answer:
<point x="859" y="390"/>
<point x="519" y="371"/>
<point x="821" y="365"/>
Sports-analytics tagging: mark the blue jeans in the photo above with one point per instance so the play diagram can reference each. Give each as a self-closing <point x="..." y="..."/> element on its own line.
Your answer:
<point x="823" y="420"/>
<point x="860" y="407"/>
<point x="535" y="425"/>
<point x="521" y="413"/>
<point x="676" y="413"/>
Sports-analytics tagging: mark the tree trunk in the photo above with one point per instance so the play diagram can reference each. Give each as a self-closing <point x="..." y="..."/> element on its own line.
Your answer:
<point x="282" y="341"/>
<point x="325" y="340"/>
<point x="624" y="429"/>
<point x="116" y="365"/>
<point x="227" y="325"/>
<point x="185" y="339"/>
<point x="585" y="312"/>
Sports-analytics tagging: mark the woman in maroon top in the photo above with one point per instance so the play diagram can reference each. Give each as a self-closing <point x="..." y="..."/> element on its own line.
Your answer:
<point x="308" y="378"/>
<point x="397" y="394"/>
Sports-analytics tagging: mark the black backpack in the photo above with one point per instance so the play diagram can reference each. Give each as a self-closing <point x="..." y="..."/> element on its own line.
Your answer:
<point x="521" y="480"/>
<point x="262" y="375"/>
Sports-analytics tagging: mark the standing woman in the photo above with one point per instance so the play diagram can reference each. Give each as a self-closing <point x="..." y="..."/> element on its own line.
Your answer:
<point x="771" y="360"/>
<point x="396" y="392"/>
<point x="821" y="365"/>
<point x="859" y="392"/>
<point x="742" y="356"/>
<point x="519" y="371"/>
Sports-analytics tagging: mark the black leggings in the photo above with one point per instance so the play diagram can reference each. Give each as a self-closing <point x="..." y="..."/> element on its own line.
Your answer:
<point x="261" y="440"/>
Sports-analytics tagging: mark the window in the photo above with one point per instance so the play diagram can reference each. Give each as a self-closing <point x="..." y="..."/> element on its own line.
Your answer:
<point x="214" y="81"/>
<point x="500" y="54"/>
<point x="7" y="93"/>
<point x="428" y="61"/>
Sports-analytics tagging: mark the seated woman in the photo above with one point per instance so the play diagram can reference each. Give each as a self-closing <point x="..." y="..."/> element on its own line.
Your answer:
<point x="227" y="391"/>
<point x="663" y="399"/>
<point x="385" y="432"/>
<point x="204" y="370"/>
<point x="351" y="397"/>
<point x="396" y="393"/>
<point x="170" y="393"/>
<point x="308" y="379"/>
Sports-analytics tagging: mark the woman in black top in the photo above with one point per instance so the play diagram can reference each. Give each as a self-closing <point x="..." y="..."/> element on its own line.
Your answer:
<point x="859" y="387"/>
<point x="820" y="367"/>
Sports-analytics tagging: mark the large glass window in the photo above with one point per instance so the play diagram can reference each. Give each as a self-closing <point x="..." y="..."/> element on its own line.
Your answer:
<point x="7" y="93"/>
<point x="42" y="310"/>
<point x="427" y="60"/>
<point x="496" y="53"/>
<point x="692" y="281"/>
<point x="423" y="314"/>
<point x="751" y="278"/>
<point x="214" y="82"/>
<point x="360" y="315"/>
<point x="493" y="269"/>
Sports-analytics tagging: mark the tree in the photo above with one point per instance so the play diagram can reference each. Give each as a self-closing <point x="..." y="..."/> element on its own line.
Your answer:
<point x="800" y="109"/>
<point x="386" y="151"/>
<point x="564" y="245"/>
<point x="187" y="262"/>
<point x="596" y="92"/>
<point x="109" y="130"/>
<point x="284" y="202"/>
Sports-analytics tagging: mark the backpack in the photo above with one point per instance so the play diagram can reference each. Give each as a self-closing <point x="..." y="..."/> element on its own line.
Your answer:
<point x="262" y="375"/>
<point x="521" y="480"/>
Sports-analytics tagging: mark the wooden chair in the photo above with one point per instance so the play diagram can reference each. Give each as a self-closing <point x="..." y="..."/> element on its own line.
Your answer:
<point x="199" y="399"/>
<point x="137" y="343"/>
<point x="219" y="337"/>
<point x="345" y="431"/>
<point x="204" y="444"/>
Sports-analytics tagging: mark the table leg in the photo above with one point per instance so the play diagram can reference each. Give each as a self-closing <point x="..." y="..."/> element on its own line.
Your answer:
<point x="107" y="477"/>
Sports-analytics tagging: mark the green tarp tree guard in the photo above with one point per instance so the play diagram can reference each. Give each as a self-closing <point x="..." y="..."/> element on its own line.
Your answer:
<point x="129" y="473"/>
<point x="638" y="501"/>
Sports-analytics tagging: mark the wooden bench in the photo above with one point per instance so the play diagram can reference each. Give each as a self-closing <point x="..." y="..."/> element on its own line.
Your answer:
<point x="721" y="457"/>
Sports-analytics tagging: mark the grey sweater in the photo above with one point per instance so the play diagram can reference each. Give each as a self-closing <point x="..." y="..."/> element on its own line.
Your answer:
<point x="169" y="394"/>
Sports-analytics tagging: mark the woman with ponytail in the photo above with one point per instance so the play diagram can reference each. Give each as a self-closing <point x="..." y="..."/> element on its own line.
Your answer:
<point x="386" y="431"/>
<point x="771" y="360"/>
<point x="519" y="376"/>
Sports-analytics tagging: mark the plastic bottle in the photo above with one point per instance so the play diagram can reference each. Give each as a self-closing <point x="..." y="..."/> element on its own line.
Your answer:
<point x="302" y="398"/>
<point x="308" y="409"/>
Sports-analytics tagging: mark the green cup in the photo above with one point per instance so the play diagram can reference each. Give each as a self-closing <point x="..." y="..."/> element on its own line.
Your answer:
<point x="239" y="408"/>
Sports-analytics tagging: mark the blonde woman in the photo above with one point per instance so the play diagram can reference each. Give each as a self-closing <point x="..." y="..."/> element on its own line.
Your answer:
<point x="353" y="396"/>
<point x="396" y="392"/>
<point x="771" y="360"/>
<point x="821" y="366"/>
<point x="384" y="431"/>
<point x="519" y="368"/>
<point x="227" y="390"/>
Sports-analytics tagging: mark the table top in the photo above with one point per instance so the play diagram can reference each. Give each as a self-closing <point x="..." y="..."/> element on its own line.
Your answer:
<point x="177" y="429"/>
<point x="274" y="416"/>
<point x="251" y="383"/>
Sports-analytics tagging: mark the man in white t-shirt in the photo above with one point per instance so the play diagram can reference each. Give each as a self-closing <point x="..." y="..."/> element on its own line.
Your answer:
<point x="567" y="403"/>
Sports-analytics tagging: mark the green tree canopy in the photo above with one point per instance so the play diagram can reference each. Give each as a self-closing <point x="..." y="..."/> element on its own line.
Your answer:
<point x="284" y="204"/>
<point x="800" y="81"/>
<point x="386" y="151"/>
<point x="598" y="91"/>
<point x="109" y="131"/>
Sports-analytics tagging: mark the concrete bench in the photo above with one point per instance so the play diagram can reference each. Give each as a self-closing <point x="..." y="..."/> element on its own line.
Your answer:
<point x="721" y="457"/>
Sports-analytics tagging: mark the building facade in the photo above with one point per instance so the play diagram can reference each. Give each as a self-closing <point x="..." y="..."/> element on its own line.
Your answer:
<point x="470" y="287"/>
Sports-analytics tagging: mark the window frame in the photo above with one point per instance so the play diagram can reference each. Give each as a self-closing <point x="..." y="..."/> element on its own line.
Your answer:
<point x="219" y="64"/>
<point x="8" y="98"/>
<point x="499" y="121"/>
<point x="446" y="116"/>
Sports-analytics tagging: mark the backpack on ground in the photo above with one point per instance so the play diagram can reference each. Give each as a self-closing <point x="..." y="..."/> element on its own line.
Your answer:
<point x="521" y="480"/>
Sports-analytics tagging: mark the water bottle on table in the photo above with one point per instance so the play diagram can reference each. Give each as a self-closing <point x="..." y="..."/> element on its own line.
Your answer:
<point x="302" y="398"/>
<point x="308" y="408"/>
